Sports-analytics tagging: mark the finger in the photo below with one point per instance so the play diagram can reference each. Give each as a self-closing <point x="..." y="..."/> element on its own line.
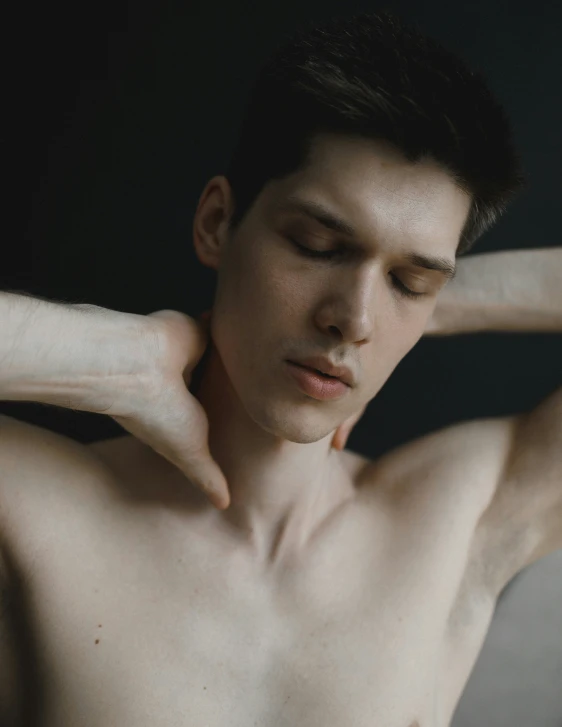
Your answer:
<point x="342" y="433"/>
<point x="340" y="437"/>
<point x="177" y="429"/>
<point x="187" y="436"/>
<point x="208" y="477"/>
<point x="202" y="470"/>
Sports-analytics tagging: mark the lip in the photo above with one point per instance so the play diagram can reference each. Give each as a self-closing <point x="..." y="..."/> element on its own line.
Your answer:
<point x="343" y="373"/>
<point x="316" y="385"/>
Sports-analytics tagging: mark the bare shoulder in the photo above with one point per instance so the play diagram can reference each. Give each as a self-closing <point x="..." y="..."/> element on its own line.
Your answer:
<point x="40" y="469"/>
<point x="47" y="485"/>
<point x="466" y="457"/>
<point x="19" y="437"/>
<point x="453" y="476"/>
<point x="27" y="450"/>
<point x="115" y="448"/>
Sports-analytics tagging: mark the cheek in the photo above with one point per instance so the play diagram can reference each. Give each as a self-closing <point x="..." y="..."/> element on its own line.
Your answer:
<point x="410" y="337"/>
<point x="242" y="288"/>
<point x="277" y="292"/>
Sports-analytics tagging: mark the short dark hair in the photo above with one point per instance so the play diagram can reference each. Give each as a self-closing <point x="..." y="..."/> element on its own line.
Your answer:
<point x="376" y="76"/>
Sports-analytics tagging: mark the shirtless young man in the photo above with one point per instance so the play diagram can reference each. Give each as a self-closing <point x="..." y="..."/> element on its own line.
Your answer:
<point x="312" y="586"/>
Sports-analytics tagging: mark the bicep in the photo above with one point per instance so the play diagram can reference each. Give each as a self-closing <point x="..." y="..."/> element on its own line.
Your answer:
<point x="16" y="446"/>
<point x="523" y="522"/>
<point x="11" y="683"/>
<point x="37" y="469"/>
<point x="533" y="477"/>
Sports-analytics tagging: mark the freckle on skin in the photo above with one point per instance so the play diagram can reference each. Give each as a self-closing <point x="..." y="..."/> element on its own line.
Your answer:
<point x="97" y="641"/>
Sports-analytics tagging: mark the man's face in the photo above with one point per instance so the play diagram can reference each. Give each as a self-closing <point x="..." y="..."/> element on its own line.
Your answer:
<point x="273" y="303"/>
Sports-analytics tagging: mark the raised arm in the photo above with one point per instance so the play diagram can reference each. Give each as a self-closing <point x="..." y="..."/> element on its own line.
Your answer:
<point x="516" y="290"/>
<point x="510" y="290"/>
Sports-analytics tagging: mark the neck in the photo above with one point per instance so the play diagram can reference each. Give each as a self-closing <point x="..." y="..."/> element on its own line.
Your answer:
<point x="281" y="490"/>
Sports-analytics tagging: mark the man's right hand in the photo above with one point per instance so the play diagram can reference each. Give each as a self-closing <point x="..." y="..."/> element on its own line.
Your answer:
<point x="164" y="414"/>
<point x="133" y="368"/>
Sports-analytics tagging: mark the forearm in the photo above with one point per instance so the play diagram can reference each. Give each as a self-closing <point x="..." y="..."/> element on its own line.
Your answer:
<point x="512" y="290"/>
<point x="56" y="353"/>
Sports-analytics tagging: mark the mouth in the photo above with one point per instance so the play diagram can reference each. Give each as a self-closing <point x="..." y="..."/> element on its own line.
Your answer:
<point x="327" y="369"/>
<point x="327" y="376"/>
<point x="316" y="384"/>
<point x="316" y="371"/>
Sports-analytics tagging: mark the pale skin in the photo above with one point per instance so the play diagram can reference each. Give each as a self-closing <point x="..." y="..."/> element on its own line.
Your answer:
<point x="342" y="433"/>
<point x="332" y="589"/>
<point x="352" y="311"/>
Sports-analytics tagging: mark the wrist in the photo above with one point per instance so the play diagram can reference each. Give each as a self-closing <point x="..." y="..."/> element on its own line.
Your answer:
<point x="75" y="356"/>
<point x="117" y="360"/>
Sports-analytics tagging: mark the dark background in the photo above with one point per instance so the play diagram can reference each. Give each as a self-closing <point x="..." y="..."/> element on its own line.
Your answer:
<point x="125" y="112"/>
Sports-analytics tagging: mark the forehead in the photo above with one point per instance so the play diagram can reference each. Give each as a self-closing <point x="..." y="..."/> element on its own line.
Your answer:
<point x="378" y="193"/>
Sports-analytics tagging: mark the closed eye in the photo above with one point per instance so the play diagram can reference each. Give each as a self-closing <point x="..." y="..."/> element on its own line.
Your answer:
<point x="330" y="254"/>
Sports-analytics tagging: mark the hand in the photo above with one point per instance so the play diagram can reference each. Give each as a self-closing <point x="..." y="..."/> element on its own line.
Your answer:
<point x="175" y="424"/>
<point x="166" y="415"/>
<point x="342" y="433"/>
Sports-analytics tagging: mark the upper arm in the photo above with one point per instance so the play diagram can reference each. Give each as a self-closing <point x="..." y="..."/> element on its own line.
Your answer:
<point x="524" y="519"/>
<point x="11" y="682"/>
<point x="36" y="465"/>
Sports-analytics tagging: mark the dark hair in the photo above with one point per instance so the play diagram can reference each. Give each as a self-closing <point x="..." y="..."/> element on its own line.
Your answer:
<point x="376" y="76"/>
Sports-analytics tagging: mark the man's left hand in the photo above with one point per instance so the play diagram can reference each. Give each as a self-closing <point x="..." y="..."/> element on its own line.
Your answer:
<point x="344" y="430"/>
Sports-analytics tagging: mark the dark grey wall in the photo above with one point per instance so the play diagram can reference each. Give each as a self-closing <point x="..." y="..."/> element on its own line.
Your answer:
<point x="127" y="112"/>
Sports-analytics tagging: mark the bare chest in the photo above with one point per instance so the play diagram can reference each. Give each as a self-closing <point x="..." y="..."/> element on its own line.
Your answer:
<point x="135" y="626"/>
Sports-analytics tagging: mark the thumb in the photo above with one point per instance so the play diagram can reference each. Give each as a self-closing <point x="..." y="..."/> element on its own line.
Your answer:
<point x="190" y="453"/>
<point x="186" y="439"/>
<point x="177" y="428"/>
<point x="208" y="477"/>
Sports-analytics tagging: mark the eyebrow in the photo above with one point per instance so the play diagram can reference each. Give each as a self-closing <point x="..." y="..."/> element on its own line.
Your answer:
<point x="333" y="222"/>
